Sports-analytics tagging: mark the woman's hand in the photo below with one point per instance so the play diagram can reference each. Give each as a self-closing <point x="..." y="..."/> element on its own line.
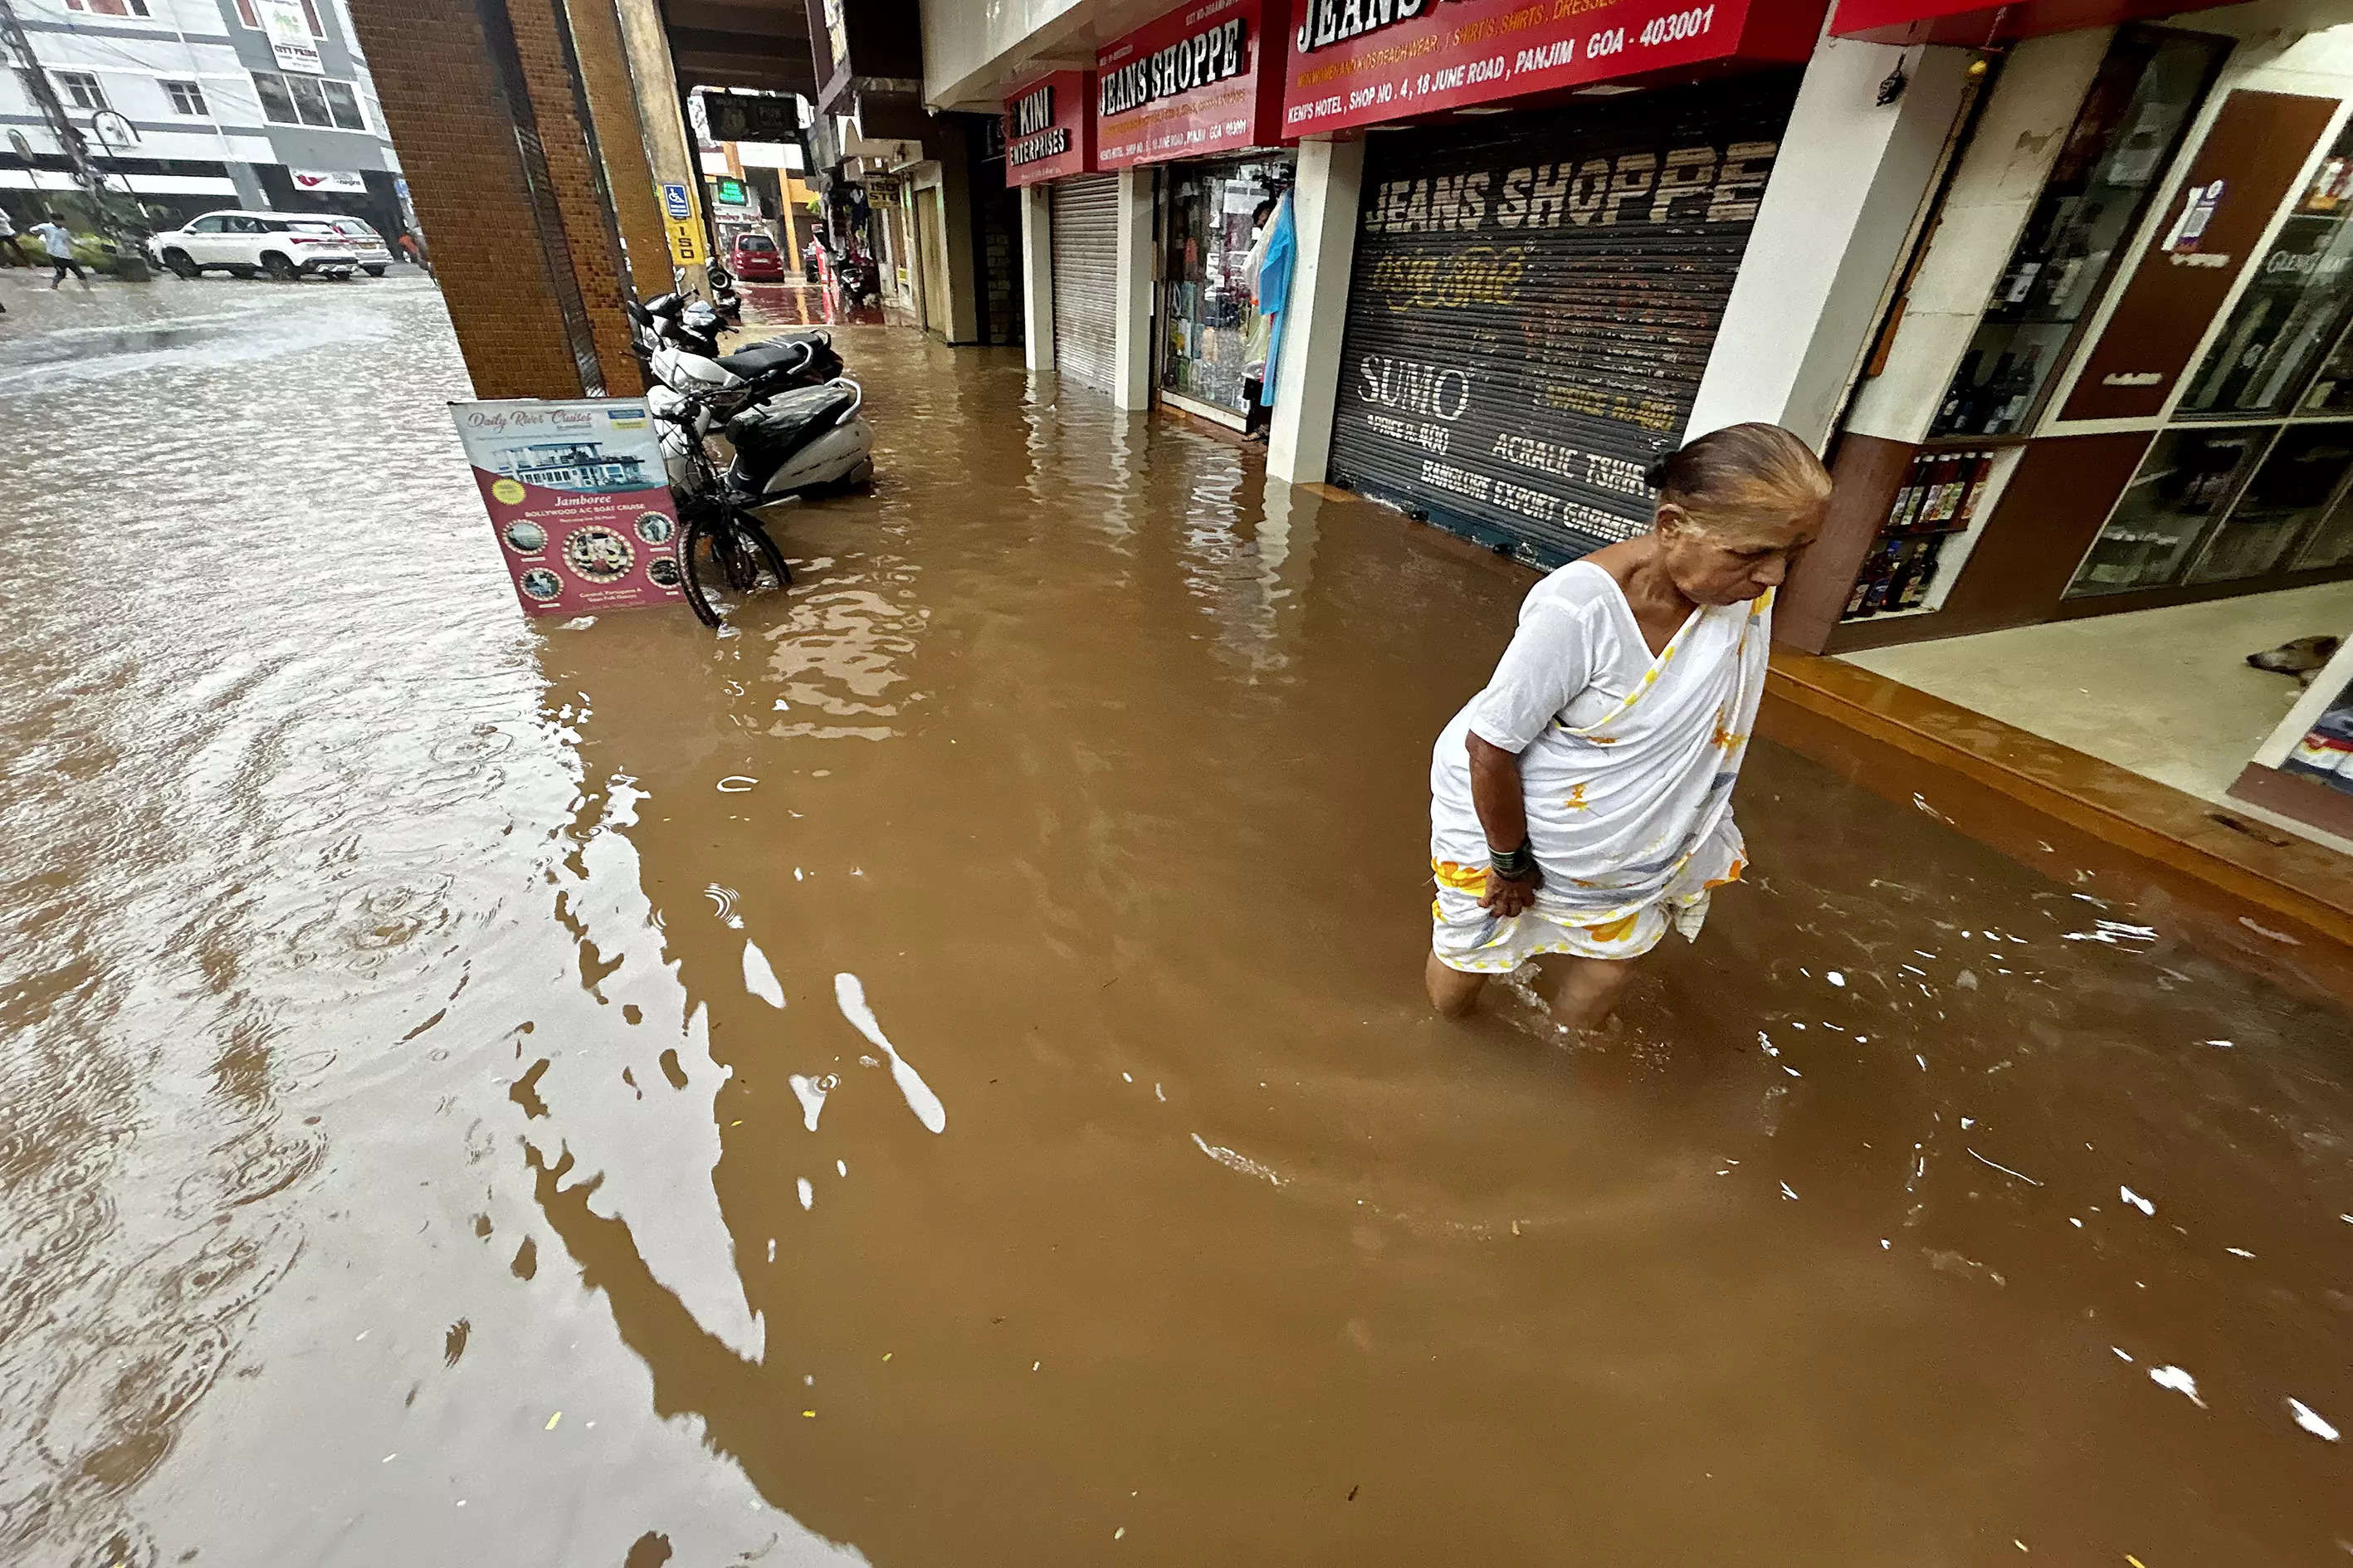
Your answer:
<point x="1508" y="896"/>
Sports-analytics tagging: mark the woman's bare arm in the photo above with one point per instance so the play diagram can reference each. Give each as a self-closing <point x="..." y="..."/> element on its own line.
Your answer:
<point x="1497" y="795"/>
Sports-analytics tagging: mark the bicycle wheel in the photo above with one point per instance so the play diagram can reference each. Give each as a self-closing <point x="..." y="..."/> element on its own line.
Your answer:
<point x="764" y="550"/>
<point x="698" y="553"/>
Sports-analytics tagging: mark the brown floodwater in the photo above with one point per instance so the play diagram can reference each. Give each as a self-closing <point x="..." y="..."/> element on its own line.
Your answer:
<point x="448" y="1116"/>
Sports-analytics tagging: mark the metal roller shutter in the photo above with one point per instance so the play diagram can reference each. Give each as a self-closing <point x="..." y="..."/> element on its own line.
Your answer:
<point x="1533" y="301"/>
<point x="1086" y="276"/>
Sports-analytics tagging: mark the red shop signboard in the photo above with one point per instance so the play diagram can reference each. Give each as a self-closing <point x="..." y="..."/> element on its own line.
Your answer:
<point x="1048" y="132"/>
<point x="1358" y="62"/>
<point x="1196" y="82"/>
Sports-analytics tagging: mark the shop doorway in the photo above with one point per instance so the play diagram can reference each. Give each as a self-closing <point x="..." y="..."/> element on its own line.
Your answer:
<point x="1213" y="342"/>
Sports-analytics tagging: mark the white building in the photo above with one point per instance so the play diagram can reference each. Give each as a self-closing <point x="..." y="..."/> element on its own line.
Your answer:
<point x="197" y="104"/>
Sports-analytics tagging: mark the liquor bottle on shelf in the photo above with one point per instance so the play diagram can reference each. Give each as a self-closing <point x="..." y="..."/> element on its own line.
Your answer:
<point x="1945" y="494"/>
<point x="2010" y="393"/>
<point x="1960" y="395"/>
<point x="1980" y="468"/>
<point x="1915" y="590"/>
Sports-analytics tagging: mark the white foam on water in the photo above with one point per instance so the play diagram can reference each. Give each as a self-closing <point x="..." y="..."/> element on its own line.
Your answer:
<point x="1836" y="979"/>
<point x="843" y="1166"/>
<point x="811" y="1093"/>
<point x="1233" y="1162"/>
<point x="759" y="979"/>
<point x="2238" y="1252"/>
<point x="2309" y="1419"/>
<point x="2145" y="1206"/>
<point x="808" y="1193"/>
<point x="850" y="995"/>
<point x="2179" y="1381"/>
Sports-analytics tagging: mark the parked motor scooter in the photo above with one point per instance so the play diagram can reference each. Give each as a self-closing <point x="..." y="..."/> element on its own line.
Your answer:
<point x="858" y="277"/>
<point x="722" y="293"/>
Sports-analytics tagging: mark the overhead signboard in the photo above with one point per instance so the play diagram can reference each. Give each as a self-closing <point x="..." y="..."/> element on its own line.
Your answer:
<point x="291" y="43"/>
<point x="750" y="117"/>
<point x="1048" y="133"/>
<point x="1199" y="81"/>
<point x="1352" y="63"/>
<point x="730" y="192"/>
<point x="340" y="180"/>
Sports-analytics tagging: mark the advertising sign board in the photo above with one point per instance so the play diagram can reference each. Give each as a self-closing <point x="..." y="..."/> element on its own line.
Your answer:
<point x="290" y="40"/>
<point x="1358" y="62"/>
<point x="1047" y="131"/>
<point x="578" y="499"/>
<point x="1198" y="81"/>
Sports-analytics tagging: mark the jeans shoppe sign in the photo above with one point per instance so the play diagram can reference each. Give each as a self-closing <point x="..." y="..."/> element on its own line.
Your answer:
<point x="1196" y="81"/>
<point x="1358" y="62"/>
<point x="1047" y="131"/>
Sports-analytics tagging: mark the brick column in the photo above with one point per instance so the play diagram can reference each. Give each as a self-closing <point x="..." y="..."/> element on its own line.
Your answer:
<point x="484" y="102"/>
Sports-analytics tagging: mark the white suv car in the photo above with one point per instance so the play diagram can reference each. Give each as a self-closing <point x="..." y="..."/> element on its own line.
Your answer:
<point x="284" y="245"/>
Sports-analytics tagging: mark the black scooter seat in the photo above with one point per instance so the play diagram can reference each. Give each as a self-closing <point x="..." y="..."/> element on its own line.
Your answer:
<point x="773" y="429"/>
<point x="764" y="358"/>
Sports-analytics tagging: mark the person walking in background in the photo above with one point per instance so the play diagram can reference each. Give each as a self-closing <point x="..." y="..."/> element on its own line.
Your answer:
<point x="11" y="248"/>
<point x="414" y="248"/>
<point x="58" y="240"/>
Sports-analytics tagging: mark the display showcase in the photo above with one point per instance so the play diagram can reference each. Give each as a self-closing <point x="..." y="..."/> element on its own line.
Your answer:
<point x="2184" y="487"/>
<point x="2292" y="311"/>
<point x="2326" y="753"/>
<point x="1937" y="503"/>
<point x="1213" y="339"/>
<point x="2124" y="138"/>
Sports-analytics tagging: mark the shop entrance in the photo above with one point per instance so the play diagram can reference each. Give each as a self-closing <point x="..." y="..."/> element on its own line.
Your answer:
<point x="1213" y="342"/>
<point x="2132" y="468"/>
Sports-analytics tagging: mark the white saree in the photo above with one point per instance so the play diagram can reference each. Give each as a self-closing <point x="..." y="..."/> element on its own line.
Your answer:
<point x="1627" y="762"/>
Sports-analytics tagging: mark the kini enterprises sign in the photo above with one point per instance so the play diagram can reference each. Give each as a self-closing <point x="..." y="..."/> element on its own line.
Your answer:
<point x="1356" y="62"/>
<point x="1047" y="132"/>
<point x="1194" y="82"/>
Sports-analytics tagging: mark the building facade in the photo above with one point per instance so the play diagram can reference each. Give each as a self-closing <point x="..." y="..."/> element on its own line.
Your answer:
<point x="198" y="104"/>
<point x="2063" y="292"/>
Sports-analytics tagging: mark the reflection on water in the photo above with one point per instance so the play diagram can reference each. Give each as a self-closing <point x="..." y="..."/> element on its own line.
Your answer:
<point x="939" y="1075"/>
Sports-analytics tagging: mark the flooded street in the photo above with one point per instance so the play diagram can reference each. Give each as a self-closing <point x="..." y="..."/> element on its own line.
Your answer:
<point x="939" y="1073"/>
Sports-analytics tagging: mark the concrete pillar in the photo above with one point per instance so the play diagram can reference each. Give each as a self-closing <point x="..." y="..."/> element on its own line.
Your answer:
<point x="1307" y="370"/>
<point x="1132" y="327"/>
<point x="669" y="153"/>
<point x="1037" y="278"/>
<point x="1847" y="186"/>
<point x="962" y="323"/>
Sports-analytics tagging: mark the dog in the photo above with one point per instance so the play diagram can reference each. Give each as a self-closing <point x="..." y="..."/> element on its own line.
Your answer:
<point x="2303" y="658"/>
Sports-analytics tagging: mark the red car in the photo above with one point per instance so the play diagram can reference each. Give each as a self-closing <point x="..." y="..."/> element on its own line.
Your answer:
<point x="754" y="259"/>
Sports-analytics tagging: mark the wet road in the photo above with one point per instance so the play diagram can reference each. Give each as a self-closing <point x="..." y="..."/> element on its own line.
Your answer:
<point x="448" y="1116"/>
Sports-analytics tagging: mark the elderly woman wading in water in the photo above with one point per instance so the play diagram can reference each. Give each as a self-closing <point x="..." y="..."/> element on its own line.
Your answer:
<point x="1582" y="804"/>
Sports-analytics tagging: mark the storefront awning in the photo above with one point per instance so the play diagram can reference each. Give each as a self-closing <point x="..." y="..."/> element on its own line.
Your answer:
<point x="1973" y="24"/>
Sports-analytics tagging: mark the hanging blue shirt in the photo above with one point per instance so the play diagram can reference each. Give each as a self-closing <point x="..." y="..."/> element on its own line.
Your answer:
<point x="1274" y="291"/>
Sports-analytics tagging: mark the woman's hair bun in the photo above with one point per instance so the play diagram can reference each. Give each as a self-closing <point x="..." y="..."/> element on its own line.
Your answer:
<point x="1655" y="476"/>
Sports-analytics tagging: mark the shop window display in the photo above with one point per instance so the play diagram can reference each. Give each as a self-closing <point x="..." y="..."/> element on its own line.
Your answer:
<point x="2148" y="90"/>
<point x="2326" y="753"/>
<point x="2289" y="492"/>
<point x="1214" y="339"/>
<point x="2187" y="481"/>
<point x="2290" y="312"/>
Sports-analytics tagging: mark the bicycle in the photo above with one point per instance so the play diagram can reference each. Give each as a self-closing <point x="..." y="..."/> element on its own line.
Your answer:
<point x="721" y="543"/>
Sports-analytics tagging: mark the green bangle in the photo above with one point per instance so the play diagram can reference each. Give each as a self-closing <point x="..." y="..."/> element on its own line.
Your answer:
<point x="1512" y="864"/>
